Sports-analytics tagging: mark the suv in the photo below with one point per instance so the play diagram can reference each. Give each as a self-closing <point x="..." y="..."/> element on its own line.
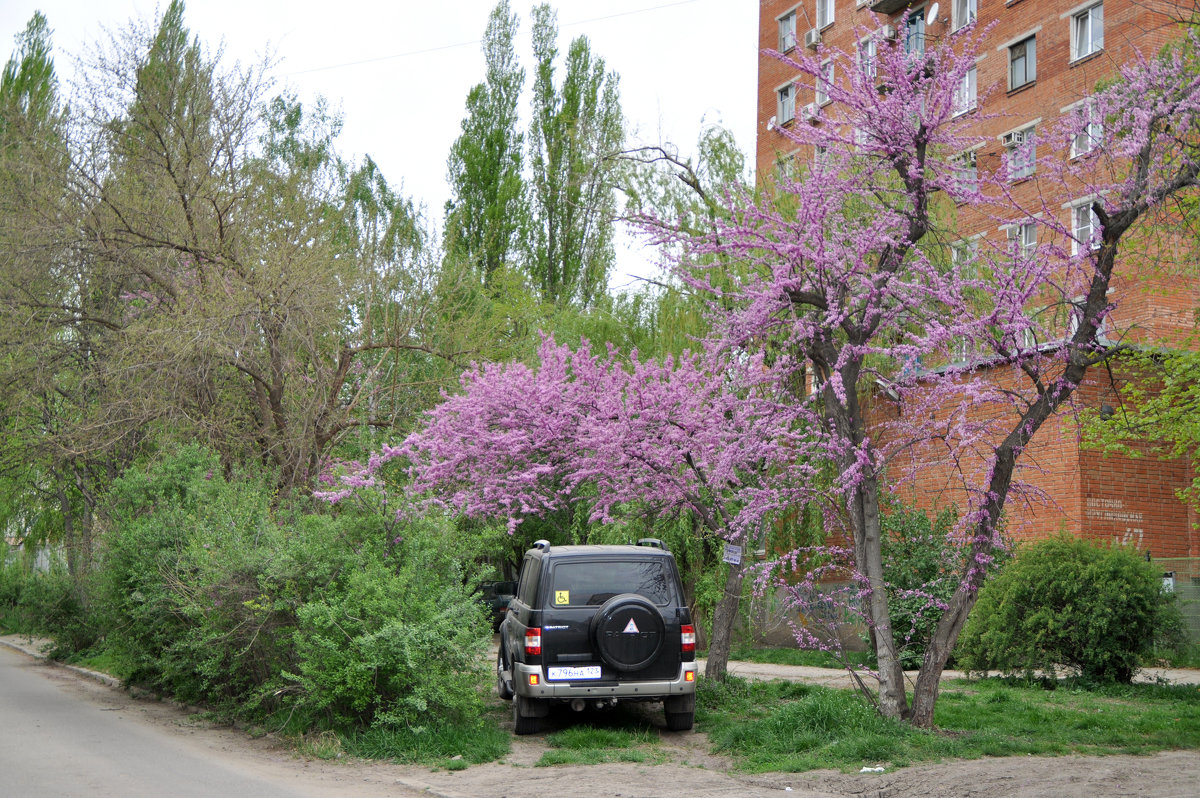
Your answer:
<point x="594" y="625"/>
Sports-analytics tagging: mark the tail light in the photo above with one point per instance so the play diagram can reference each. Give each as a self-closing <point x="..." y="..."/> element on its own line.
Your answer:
<point x="687" y="638"/>
<point x="533" y="641"/>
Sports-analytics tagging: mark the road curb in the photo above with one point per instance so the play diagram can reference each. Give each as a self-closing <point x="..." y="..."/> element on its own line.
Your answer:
<point x="32" y="649"/>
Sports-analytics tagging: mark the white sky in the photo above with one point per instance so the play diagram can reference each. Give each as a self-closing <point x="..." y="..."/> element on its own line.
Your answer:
<point x="401" y="69"/>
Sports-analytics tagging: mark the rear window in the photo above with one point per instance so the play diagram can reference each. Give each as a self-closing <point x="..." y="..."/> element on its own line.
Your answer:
<point x="593" y="582"/>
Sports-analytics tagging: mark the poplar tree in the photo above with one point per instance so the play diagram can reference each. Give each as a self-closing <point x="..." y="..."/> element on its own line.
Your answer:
<point x="576" y="131"/>
<point x="487" y="209"/>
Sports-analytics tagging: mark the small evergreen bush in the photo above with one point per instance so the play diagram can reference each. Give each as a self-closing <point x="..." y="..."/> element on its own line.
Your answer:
<point x="1069" y="602"/>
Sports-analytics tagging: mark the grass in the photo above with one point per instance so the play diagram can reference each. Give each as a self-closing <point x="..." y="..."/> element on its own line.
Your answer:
<point x="772" y="726"/>
<point x="447" y="746"/>
<point x="796" y="656"/>
<point x="592" y="745"/>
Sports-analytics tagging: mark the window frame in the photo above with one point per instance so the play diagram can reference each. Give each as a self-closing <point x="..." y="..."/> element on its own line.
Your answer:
<point x="963" y="8"/>
<point x="868" y="57"/>
<point x="966" y="98"/>
<point x="1092" y="133"/>
<point x="782" y="20"/>
<point x="1080" y="241"/>
<point x="1027" y="166"/>
<point x="824" y="81"/>
<point x="1090" y="21"/>
<point x="780" y="103"/>
<point x="825" y="7"/>
<point x="1028" y="57"/>
<point x="916" y="18"/>
<point x="1024" y="234"/>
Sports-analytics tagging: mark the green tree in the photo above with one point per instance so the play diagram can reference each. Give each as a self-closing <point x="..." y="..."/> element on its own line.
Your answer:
<point x="576" y="131"/>
<point x="487" y="210"/>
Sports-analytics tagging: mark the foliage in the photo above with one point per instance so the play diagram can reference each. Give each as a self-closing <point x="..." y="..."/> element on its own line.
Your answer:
<point x="920" y="563"/>
<point x="576" y="129"/>
<point x="1073" y="603"/>
<point x="218" y="590"/>
<point x="391" y="650"/>
<point x="595" y="744"/>
<point x="487" y="211"/>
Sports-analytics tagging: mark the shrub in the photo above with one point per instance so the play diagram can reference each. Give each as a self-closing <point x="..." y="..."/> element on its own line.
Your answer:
<point x="218" y="591"/>
<point x="1069" y="602"/>
<point x="920" y="565"/>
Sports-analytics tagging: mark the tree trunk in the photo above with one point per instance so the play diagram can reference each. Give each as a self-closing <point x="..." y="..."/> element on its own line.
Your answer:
<point x="868" y="555"/>
<point x="724" y="616"/>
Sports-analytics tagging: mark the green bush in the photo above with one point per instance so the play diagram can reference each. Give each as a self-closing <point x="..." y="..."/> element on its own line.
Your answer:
<point x="921" y="566"/>
<point x="1069" y="602"/>
<point x="216" y="590"/>
<point x="394" y="647"/>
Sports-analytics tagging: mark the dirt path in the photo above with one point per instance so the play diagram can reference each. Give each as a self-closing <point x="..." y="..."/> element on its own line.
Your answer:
<point x="685" y="766"/>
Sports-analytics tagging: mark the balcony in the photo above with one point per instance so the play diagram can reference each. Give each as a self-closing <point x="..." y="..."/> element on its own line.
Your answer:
<point x="888" y="6"/>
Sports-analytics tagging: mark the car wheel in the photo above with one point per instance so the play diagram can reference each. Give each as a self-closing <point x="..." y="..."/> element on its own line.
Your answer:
<point x="528" y="714"/>
<point x="628" y="631"/>
<point x="503" y="677"/>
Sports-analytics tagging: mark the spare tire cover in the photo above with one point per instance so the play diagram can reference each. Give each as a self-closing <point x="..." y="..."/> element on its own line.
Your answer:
<point x="628" y="631"/>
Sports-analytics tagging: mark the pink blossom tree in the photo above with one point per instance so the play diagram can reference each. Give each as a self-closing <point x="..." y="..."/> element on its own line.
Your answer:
<point x="521" y="441"/>
<point x="846" y="270"/>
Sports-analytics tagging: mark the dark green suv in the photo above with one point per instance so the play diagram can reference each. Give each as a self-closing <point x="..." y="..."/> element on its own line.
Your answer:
<point x="595" y="625"/>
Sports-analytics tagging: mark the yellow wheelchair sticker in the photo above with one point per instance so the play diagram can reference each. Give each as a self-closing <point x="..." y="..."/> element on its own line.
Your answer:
<point x="562" y="597"/>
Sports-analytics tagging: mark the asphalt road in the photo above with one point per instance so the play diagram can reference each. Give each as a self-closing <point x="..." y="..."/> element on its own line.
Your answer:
<point x="63" y="736"/>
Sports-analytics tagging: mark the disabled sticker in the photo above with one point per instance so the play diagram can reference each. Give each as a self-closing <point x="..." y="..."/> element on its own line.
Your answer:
<point x="562" y="596"/>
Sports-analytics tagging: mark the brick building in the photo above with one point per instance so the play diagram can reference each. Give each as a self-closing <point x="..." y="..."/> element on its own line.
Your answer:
<point x="1040" y="60"/>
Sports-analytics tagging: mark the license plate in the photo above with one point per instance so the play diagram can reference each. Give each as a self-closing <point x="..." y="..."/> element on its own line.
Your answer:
<point x="572" y="673"/>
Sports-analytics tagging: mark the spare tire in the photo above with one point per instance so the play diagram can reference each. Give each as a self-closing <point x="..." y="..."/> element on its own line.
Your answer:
<point x="628" y="631"/>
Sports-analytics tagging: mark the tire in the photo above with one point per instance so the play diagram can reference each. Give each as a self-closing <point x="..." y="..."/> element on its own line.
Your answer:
<point x="680" y="712"/>
<point x="628" y="632"/>
<point x="528" y="714"/>
<point x="504" y="684"/>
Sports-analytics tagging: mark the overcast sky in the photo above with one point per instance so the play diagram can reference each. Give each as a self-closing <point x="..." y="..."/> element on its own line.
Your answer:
<point x="401" y="69"/>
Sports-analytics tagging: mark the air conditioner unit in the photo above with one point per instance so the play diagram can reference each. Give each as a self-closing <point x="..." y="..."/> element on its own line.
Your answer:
<point x="809" y="112"/>
<point x="771" y="123"/>
<point x="812" y="39"/>
<point x="889" y="32"/>
<point x="1014" y="139"/>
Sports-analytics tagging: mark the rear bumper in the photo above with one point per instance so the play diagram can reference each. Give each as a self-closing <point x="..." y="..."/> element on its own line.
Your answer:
<point x="680" y="685"/>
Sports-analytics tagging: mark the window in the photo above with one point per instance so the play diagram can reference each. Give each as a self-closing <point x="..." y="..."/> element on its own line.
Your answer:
<point x="868" y="50"/>
<point x="1091" y="131"/>
<point x="1022" y="63"/>
<point x="1085" y="227"/>
<point x="966" y="172"/>
<point x="824" y="13"/>
<point x="1022" y="153"/>
<point x="787" y="32"/>
<point x="1087" y="32"/>
<point x="964" y="98"/>
<point x="824" y="81"/>
<point x="963" y="255"/>
<point x="786" y="107"/>
<point x="1022" y="240"/>
<point x="914" y="33"/>
<point x="964" y="13"/>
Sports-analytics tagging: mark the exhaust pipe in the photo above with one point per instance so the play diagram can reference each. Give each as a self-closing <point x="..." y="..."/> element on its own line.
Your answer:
<point x="577" y="704"/>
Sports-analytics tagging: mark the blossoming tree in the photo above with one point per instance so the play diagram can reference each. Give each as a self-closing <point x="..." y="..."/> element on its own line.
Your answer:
<point x="847" y="270"/>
